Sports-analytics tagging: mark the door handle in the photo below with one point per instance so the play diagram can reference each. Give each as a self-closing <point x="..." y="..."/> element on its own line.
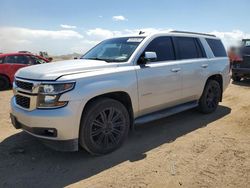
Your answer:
<point x="175" y="69"/>
<point x="204" y="65"/>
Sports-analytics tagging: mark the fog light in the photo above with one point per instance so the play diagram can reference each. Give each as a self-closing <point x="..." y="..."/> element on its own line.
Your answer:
<point x="51" y="131"/>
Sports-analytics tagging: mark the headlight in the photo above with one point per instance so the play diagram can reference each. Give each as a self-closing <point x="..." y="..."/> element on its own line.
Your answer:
<point x="49" y="94"/>
<point x="56" y="88"/>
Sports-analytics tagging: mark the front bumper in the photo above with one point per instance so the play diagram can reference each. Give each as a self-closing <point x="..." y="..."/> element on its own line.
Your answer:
<point x="57" y="128"/>
<point x="241" y="72"/>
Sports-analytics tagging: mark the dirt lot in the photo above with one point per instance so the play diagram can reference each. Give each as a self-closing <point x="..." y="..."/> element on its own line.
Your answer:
<point x="186" y="150"/>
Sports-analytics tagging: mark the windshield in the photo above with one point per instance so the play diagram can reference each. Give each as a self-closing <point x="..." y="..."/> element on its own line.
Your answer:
<point x="114" y="50"/>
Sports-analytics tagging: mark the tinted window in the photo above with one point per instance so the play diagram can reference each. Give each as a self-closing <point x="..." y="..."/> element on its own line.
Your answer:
<point x="188" y="48"/>
<point x="17" y="59"/>
<point x="36" y="60"/>
<point x="10" y="59"/>
<point x="1" y="60"/>
<point x="21" y="59"/>
<point x="163" y="48"/>
<point x="217" y="47"/>
<point x="246" y="42"/>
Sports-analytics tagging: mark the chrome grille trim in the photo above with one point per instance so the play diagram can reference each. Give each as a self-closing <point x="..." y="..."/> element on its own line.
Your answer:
<point x="25" y="92"/>
<point x="24" y="85"/>
<point x="34" y="89"/>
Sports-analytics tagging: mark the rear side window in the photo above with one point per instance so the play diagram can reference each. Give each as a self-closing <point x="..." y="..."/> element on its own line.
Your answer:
<point x="1" y="60"/>
<point x="217" y="47"/>
<point x="10" y="59"/>
<point x="17" y="59"/>
<point x="21" y="59"/>
<point x="188" y="48"/>
<point x="163" y="48"/>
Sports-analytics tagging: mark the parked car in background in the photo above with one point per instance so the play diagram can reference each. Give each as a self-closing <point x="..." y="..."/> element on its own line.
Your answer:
<point x="241" y="61"/>
<point x="10" y="63"/>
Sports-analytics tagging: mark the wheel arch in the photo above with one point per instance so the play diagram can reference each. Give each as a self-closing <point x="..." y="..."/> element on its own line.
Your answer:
<point x="121" y="96"/>
<point x="6" y="76"/>
<point x="219" y="79"/>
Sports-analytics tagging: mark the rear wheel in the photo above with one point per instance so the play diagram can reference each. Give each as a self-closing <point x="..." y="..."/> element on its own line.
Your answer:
<point x="104" y="126"/>
<point x="236" y="78"/>
<point x="210" y="98"/>
<point x="4" y="83"/>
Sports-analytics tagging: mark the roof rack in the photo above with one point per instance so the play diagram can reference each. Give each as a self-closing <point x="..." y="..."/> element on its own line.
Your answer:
<point x="187" y="32"/>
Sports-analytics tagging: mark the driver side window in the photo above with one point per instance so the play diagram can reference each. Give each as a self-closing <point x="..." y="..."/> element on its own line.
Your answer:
<point x="163" y="47"/>
<point x="22" y="59"/>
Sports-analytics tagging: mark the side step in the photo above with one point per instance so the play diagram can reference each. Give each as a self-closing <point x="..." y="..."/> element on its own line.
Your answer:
<point x="166" y="112"/>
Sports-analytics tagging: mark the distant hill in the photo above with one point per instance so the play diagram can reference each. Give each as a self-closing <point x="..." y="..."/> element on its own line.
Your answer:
<point x="66" y="57"/>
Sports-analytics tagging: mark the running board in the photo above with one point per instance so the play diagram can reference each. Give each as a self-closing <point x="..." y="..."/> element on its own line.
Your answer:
<point x="166" y="112"/>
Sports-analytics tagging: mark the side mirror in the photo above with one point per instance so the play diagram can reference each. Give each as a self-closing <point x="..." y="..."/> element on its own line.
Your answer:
<point x="147" y="57"/>
<point x="50" y="59"/>
<point x="150" y="56"/>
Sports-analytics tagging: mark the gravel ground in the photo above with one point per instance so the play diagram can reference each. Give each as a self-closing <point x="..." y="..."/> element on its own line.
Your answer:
<point x="185" y="150"/>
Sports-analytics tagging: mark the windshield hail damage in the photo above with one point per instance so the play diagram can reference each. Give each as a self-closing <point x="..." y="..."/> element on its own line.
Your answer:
<point x="114" y="50"/>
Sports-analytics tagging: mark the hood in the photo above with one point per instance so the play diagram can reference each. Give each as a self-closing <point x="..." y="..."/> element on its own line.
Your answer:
<point x="51" y="71"/>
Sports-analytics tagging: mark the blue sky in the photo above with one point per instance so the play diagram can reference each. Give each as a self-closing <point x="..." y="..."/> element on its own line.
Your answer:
<point x="43" y="20"/>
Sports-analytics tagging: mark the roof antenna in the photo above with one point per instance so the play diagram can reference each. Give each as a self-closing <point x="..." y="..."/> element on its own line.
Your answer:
<point x="141" y="32"/>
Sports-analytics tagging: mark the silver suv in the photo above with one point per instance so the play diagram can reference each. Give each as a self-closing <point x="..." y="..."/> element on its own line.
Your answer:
<point x="94" y="101"/>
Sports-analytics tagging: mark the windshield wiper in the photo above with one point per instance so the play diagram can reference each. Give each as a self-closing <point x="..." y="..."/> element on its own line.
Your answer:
<point x="96" y="58"/>
<point x="106" y="60"/>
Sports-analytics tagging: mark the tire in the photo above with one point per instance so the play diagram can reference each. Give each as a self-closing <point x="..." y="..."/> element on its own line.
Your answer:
<point x="236" y="78"/>
<point x="104" y="126"/>
<point x="4" y="83"/>
<point x="210" y="98"/>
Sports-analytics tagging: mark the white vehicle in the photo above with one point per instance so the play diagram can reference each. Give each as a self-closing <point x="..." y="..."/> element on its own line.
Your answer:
<point x="94" y="101"/>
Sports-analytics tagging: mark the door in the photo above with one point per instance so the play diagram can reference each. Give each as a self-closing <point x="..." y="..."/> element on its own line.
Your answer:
<point x="159" y="81"/>
<point x="16" y="62"/>
<point x="193" y="62"/>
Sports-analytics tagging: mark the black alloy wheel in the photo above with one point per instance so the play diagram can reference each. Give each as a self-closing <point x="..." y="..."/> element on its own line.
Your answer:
<point x="104" y="126"/>
<point x="210" y="98"/>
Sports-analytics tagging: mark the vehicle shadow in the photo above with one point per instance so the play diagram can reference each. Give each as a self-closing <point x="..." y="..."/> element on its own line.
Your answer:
<point x="245" y="82"/>
<point x="8" y="89"/>
<point x="25" y="162"/>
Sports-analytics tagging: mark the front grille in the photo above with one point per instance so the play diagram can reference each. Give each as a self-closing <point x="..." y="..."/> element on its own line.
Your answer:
<point x="23" y="101"/>
<point x="24" y="85"/>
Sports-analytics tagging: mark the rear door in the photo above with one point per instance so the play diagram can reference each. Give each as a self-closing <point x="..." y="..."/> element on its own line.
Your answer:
<point x="159" y="81"/>
<point x="193" y="62"/>
<point x="16" y="62"/>
<point x="245" y="57"/>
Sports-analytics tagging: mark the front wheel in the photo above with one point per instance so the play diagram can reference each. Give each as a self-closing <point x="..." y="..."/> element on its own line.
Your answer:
<point x="104" y="126"/>
<point x="210" y="98"/>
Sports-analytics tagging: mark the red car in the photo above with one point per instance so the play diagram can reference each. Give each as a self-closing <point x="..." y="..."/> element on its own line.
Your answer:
<point x="10" y="63"/>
